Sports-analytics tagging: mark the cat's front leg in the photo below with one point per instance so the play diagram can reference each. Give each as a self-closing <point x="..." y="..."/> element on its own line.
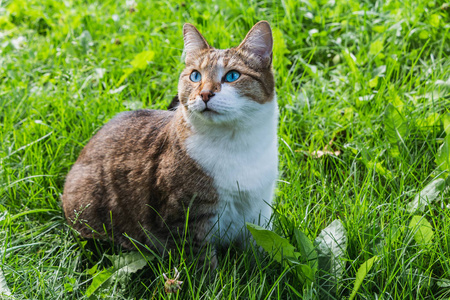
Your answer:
<point x="208" y="259"/>
<point x="204" y="252"/>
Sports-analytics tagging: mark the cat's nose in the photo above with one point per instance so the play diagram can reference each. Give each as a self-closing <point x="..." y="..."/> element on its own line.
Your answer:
<point x="206" y="95"/>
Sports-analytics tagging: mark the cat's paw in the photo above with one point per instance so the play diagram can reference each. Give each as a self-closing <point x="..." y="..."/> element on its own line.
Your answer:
<point x="213" y="262"/>
<point x="208" y="261"/>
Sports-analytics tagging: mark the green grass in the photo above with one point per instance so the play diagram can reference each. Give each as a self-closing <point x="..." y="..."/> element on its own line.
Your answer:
<point x="66" y="68"/>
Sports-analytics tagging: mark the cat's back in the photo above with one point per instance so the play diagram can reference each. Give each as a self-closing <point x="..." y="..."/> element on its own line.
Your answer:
<point x="138" y="120"/>
<point x="128" y="132"/>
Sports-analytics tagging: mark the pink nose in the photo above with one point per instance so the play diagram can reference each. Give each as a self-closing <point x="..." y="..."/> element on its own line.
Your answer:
<point x="206" y="95"/>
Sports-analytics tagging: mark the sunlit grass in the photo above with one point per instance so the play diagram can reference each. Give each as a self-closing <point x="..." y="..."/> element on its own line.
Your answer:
<point x="338" y="65"/>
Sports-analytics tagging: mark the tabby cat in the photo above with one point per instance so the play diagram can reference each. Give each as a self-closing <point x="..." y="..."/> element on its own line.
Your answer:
<point x="211" y="163"/>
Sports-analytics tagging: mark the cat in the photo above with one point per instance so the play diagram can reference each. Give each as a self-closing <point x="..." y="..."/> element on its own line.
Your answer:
<point x="211" y="162"/>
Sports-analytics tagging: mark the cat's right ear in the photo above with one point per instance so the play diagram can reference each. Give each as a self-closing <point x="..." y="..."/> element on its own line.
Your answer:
<point x="194" y="42"/>
<point x="259" y="42"/>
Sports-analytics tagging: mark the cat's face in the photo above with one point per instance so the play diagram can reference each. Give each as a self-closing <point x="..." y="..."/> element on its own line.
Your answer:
<point x="226" y="86"/>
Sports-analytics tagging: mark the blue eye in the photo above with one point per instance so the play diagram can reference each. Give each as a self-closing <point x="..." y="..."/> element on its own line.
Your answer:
<point x="195" y="76"/>
<point x="232" y="76"/>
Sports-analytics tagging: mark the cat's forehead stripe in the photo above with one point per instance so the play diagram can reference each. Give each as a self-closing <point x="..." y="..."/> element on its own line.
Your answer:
<point x="205" y="62"/>
<point x="220" y="62"/>
<point x="211" y="58"/>
<point x="214" y="63"/>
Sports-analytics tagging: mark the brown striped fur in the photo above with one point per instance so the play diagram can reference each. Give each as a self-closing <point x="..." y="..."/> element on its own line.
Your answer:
<point x="135" y="174"/>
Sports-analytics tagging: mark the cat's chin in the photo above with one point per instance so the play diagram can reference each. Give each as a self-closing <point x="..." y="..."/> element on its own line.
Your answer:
<point x="208" y="111"/>
<point x="209" y="116"/>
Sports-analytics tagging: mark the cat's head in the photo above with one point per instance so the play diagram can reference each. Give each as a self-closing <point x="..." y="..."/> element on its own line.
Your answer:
<point x="227" y="86"/>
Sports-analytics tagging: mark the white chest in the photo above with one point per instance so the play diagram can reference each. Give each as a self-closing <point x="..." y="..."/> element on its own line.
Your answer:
<point x="244" y="167"/>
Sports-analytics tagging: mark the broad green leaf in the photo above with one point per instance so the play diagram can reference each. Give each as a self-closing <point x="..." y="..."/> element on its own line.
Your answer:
<point x="4" y="289"/>
<point x="373" y="83"/>
<point x="5" y="24"/>
<point x="348" y="114"/>
<point x="423" y="230"/>
<point x="306" y="248"/>
<point x="376" y="47"/>
<point x="122" y="87"/>
<point x="331" y="245"/>
<point x="424" y="34"/>
<point x="127" y="73"/>
<point x="128" y="263"/>
<point x="361" y="274"/>
<point x="446" y="123"/>
<point x="142" y="59"/>
<point x="380" y="169"/>
<point x="68" y="286"/>
<point x="351" y="61"/>
<point x="305" y="274"/>
<point x="434" y="20"/>
<point x="123" y="265"/>
<point x="311" y="70"/>
<point x="443" y="283"/>
<point x="443" y="155"/>
<point x="395" y="124"/>
<point x="92" y="270"/>
<point x="17" y="7"/>
<point x="390" y="236"/>
<point x="427" y="195"/>
<point x="398" y="103"/>
<point x="139" y="62"/>
<point x="86" y="40"/>
<point x="99" y="280"/>
<point x="394" y="151"/>
<point x="395" y="233"/>
<point x="379" y="29"/>
<point x="379" y="71"/>
<point x="431" y="120"/>
<point x="271" y="242"/>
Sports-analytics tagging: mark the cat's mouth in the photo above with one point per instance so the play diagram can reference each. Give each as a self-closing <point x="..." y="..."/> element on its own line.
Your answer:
<point x="209" y="110"/>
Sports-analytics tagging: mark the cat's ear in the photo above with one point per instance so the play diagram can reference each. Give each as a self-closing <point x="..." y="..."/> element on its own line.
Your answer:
<point x="194" y="42"/>
<point x="259" y="42"/>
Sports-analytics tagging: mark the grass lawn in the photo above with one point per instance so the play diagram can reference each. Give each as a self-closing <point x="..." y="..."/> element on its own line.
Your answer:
<point x="368" y="81"/>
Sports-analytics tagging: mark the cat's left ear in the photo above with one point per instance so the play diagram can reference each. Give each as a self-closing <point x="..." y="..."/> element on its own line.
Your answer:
<point x="259" y="42"/>
<point x="194" y="42"/>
